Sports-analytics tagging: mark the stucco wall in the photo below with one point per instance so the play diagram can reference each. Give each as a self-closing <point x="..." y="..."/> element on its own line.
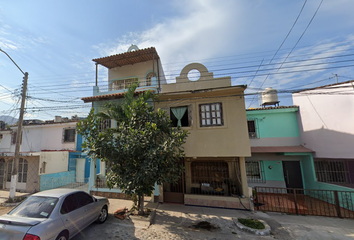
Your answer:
<point x="326" y="120"/>
<point x="275" y="127"/>
<point x="138" y="70"/>
<point x="55" y="161"/>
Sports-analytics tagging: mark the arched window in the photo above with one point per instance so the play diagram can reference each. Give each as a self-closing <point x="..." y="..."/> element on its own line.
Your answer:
<point x="148" y="81"/>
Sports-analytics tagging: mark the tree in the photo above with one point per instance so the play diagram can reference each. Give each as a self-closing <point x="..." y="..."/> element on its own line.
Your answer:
<point x="142" y="150"/>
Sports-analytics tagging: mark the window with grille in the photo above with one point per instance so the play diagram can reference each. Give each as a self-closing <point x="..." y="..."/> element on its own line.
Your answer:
<point x="105" y="124"/>
<point x="148" y="81"/>
<point x="254" y="171"/>
<point x="205" y="171"/>
<point x="252" y="132"/>
<point x="69" y="135"/>
<point x="210" y="114"/>
<point x="123" y="83"/>
<point x="332" y="171"/>
<point x="22" y="170"/>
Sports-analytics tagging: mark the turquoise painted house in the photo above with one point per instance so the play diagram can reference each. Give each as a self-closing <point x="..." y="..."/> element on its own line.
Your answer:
<point x="278" y="158"/>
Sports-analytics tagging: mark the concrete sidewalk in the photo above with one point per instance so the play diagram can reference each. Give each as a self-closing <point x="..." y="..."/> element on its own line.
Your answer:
<point x="4" y="195"/>
<point x="176" y="222"/>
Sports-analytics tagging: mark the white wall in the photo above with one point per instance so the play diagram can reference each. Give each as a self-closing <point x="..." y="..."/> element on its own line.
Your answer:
<point x="36" y="138"/>
<point x="326" y="120"/>
<point x="55" y="161"/>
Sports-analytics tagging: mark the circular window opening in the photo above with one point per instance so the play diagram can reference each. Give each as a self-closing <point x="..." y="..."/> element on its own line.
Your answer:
<point x="193" y="75"/>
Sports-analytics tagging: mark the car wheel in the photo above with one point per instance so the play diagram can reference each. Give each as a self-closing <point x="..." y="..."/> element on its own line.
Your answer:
<point x="103" y="215"/>
<point x="63" y="236"/>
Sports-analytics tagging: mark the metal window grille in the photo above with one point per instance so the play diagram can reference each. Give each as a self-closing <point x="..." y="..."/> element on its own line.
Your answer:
<point x="210" y="114"/>
<point x="213" y="178"/>
<point x="333" y="171"/>
<point x="123" y="84"/>
<point x="252" y="132"/>
<point x="148" y="78"/>
<point x="254" y="172"/>
<point x="105" y="124"/>
<point x="205" y="170"/>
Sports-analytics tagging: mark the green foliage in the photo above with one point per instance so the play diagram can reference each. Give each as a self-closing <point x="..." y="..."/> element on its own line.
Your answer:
<point x="251" y="223"/>
<point x="142" y="150"/>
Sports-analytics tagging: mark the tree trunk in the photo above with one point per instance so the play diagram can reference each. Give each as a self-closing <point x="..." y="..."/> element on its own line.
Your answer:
<point x="141" y="205"/>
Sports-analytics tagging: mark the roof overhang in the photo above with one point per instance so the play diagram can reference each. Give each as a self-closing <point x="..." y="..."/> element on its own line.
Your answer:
<point x="111" y="96"/>
<point x="128" y="58"/>
<point x="281" y="149"/>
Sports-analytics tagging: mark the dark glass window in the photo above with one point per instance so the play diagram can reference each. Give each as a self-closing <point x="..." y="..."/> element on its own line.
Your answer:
<point x="184" y="119"/>
<point x="69" y="135"/>
<point x="70" y="204"/>
<point x="83" y="198"/>
<point x="35" y="207"/>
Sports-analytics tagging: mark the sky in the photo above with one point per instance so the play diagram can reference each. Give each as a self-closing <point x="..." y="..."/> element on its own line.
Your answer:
<point x="286" y="45"/>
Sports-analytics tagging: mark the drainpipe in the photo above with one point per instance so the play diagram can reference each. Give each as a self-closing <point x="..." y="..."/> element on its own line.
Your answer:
<point x="153" y="62"/>
<point x="158" y="75"/>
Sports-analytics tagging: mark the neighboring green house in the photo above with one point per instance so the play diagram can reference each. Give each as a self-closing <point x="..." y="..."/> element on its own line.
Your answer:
<point x="278" y="158"/>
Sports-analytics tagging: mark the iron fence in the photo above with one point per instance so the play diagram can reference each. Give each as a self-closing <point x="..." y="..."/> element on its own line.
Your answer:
<point x="305" y="201"/>
<point x="217" y="186"/>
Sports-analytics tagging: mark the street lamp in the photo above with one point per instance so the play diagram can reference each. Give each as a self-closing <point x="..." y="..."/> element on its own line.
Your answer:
<point x="19" y="131"/>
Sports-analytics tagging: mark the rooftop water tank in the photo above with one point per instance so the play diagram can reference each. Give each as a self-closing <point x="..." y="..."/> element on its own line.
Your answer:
<point x="270" y="97"/>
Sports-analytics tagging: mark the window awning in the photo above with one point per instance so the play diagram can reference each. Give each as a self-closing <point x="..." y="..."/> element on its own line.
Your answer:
<point x="281" y="149"/>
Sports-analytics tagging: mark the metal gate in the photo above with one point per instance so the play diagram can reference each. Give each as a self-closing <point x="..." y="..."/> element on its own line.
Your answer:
<point x="174" y="193"/>
<point x="305" y="201"/>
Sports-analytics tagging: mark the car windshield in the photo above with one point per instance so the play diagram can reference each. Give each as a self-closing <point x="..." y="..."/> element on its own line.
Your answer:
<point x="35" y="207"/>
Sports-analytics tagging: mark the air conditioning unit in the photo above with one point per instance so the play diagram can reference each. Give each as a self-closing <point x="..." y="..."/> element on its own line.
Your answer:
<point x="252" y="134"/>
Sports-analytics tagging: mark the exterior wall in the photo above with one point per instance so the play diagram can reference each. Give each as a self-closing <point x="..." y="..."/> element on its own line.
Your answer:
<point x="55" y="161"/>
<point x="329" y="118"/>
<point x="5" y="142"/>
<point x="228" y="140"/>
<point x="275" y="127"/>
<point x="36" y="138"/>
<point x="274" y="176"/>
<point x="55" y="180"/>
<point x="138" y="70"/>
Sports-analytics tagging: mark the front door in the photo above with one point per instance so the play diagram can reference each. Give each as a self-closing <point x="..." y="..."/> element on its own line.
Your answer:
<point x="2" y="173"/>
<point x="292" y="174"/>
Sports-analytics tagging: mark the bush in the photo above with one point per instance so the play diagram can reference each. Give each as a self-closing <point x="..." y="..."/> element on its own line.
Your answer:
<point x="251" y="223"/>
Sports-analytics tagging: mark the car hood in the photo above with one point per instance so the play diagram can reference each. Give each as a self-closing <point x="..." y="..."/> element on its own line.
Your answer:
<point x="13" y="227"/>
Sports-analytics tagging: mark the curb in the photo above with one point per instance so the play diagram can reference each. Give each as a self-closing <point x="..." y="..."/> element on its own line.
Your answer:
<point x="9" y="204"/>
<point x="259" y="232"/>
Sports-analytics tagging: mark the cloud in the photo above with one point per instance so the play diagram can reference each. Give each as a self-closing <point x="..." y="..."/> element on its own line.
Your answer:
<point x="198" y="32"/>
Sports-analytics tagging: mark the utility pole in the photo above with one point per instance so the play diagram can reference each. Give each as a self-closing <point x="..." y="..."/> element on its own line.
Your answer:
<point x="336" y="77"/>
<point x="18" y="139"/>
<point x="19" y="131"/>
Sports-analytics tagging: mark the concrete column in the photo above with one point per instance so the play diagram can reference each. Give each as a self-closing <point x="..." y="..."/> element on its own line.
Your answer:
<point x="244" y="183"/>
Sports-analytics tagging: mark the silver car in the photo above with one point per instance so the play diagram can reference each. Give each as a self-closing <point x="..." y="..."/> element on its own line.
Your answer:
<point x="56" y="214"/>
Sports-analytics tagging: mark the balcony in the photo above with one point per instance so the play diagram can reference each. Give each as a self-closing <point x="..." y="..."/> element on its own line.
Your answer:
<point x="120" y="86"/>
